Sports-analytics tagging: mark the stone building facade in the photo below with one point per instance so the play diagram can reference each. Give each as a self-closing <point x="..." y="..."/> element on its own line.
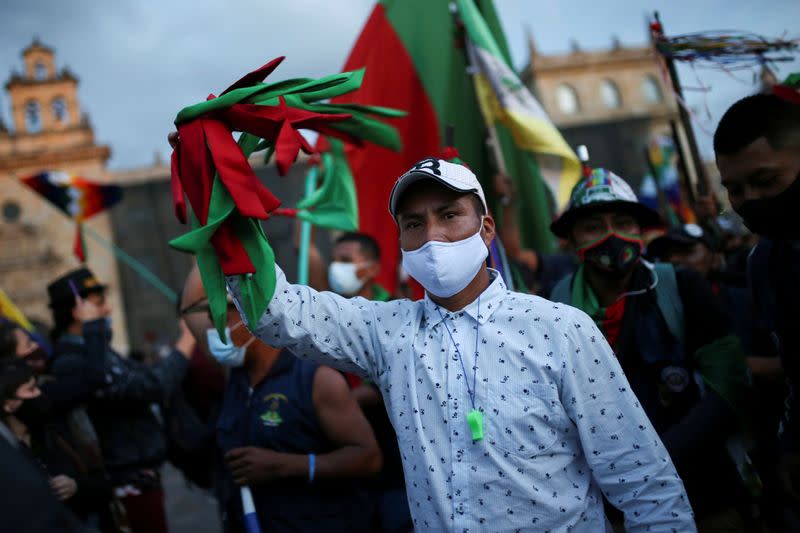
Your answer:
<point x="610" y="100"/>
<point x="48" y="131"/>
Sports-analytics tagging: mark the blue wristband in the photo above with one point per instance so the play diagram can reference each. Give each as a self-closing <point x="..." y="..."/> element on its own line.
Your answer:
<point x="312" y="466"/>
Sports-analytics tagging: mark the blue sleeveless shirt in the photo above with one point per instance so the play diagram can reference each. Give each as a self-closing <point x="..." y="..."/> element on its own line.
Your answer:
<point x="279" y="415"/>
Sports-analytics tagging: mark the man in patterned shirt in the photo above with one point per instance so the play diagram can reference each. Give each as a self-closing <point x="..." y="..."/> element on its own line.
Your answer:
<point x="511" y="412"/>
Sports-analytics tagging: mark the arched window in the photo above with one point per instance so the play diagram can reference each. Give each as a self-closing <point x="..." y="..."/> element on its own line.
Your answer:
<point x="567" y="99"/>
<point x="33" y="119"/>
<point x="60" y="110"/>
<point x="609" y="92"/>
<point x="651" y="90"/>
<point x="40" y="71"/>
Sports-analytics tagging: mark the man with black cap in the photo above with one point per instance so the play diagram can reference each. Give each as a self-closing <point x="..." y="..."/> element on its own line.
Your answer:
<point x="511" y="412"/>
<point x="688" y="246"/>
<point x="664" y="327"/>
<point x="693" y="247"/>
<point x="757" y="147"/>
<point x="131" y="438"/>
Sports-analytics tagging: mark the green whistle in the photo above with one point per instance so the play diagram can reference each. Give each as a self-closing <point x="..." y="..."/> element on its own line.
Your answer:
<point x="475" y="422"/>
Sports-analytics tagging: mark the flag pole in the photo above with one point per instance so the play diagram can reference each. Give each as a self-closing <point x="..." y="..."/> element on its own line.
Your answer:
<point x="664" y="206"/>
<point x="702" y="186"/>
<point x="134" y="264"/>
<point x="493" y="142"/>
<point x="305" y="229"/>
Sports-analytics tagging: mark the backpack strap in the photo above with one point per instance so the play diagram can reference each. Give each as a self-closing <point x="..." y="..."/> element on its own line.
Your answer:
<point x="562" y="291"/>
<point x="669" y="302"/>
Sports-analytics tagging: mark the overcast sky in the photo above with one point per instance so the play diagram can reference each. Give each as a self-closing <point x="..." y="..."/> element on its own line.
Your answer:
<point x="140" y="61"/>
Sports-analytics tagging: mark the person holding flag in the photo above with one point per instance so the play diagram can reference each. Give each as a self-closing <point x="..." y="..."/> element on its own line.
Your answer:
<point x="511" y="412"/>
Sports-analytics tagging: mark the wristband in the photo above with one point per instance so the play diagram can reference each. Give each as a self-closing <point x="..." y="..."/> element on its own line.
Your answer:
<point x="312" y="466"/>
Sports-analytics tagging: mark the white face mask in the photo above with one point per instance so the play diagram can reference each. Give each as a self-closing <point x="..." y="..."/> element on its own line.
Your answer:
<point x="342" y="278"/>
<point x="445" y="268"/>
<point x="228" y="355"/>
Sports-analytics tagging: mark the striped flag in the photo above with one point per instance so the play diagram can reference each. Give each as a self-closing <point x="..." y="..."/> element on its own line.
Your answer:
<point x="523" y="128"/>
<point x="76" y="197"/>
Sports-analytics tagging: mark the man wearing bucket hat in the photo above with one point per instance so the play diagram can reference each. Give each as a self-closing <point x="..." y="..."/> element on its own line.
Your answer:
<point x="511" y="413"/>
<point x="665" y="327"/>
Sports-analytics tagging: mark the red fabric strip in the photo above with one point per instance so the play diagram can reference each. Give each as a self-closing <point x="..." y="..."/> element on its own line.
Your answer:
<point x="256" y="76"/>
<point x="77" y="245"/>
<point x="236" y="173"/>
<point x="178" y="200"/>
<point x="194" y="168"/>
<point x="230" y="251"/>
<point x="285" y="212"/>
<point x="612" y="323"/>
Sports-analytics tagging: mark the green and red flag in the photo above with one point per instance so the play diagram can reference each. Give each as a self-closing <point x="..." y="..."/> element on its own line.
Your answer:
<point x="75" y="196"/>
<point x="415" y="54"/>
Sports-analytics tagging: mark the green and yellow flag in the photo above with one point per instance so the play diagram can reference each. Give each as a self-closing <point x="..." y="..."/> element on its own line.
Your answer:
<point x="523" y="128"/>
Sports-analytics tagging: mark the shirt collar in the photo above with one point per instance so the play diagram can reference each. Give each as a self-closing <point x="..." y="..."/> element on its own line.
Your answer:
<point x="284" y="363"/>
<point x="490" y="300"/>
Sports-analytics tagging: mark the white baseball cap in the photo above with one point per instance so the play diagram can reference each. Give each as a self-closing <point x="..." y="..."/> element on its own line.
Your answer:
<point x="452" y="175"/>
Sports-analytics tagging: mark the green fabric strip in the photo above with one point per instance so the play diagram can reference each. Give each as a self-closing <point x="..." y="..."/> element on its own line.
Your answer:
<point x="723" y="366"/>
<point x="584" y="298"/>
<point x="379" y="294"/>
<point x="334" y="205"/>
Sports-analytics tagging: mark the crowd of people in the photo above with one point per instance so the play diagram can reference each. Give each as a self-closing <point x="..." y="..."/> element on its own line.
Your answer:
<point x="629" y="383"/>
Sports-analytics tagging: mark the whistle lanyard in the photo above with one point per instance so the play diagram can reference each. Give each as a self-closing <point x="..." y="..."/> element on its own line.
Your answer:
<point x="474" y="417"/>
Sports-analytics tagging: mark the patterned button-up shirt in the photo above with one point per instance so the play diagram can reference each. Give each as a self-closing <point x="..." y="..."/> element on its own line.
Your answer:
<point x="560" y="421"/>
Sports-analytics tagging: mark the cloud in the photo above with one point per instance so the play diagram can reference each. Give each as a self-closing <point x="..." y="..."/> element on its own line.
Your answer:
<point x="139" y="62"/>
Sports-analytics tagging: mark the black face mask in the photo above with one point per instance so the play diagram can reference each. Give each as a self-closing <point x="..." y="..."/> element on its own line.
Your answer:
<point x="37" y="359"/>
<point x="32" y="412"/>
<point x="614" y="255"/>
<point x="777" y="217"/>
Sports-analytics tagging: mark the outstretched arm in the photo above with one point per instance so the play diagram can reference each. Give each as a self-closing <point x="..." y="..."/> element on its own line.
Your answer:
<point x="345" y="333"/>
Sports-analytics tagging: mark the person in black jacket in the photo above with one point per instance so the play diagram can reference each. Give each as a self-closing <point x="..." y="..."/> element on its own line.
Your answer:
<point x="131" y="438"/>
<point x="674" y="342"/>
<point x="757" y="147"/>
<point x="29" y="502"/>
<point x="62" y="438"/>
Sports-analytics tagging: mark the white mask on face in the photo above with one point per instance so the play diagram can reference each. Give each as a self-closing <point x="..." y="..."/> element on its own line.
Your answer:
<point x="445" y="268"/>
<point x="228" y="355"/>
<point x="342" y="278"/>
